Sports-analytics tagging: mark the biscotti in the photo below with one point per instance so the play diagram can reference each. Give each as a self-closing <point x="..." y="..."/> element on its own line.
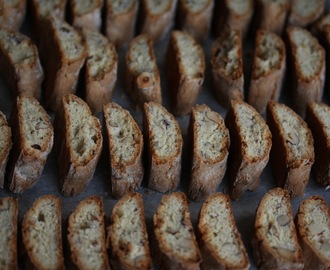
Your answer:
<point x="175" y="244"/>
<point x="42" y="234"/>
<point x="8" y="233"/>
<point x="127" y="235"/>
<point x="219" y="239"/>
<point x="41" y="9"/>
<point x="78" y="144"/>
<point x="142" y="73"/>
<point x="210" y="147"/>
<point x="250" y="144"/>
<point x="318" y="27"/>
<point x="227" y="67"/>
<point x="185" y="68"/>
<point x="86" y="235"/>
<point x="163" y="142"/>
<point x="292" y="154"/>
<point x="33" y="137"/>
<point x="305" y="12"/>
<point x="275" y="243"/>
<point x="313" y="228"/>
<point x="318" y="120"/>
<point x="19" y="63"/>
<point x="268" y="70"/>
<point x="12" y="14"/>
<point x="5" y="146"/>
<point x="125" y="146"/>
<point x="101" y="70"/>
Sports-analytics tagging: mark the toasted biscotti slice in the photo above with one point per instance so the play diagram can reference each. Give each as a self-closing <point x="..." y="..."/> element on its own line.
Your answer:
<point x="19" y="63"/>
<point x="125" y="146"/>
<point x="268" y="70"/>
<point x="42" y="8"/>
<point x="292" y="154"/>
<point x="127" y="235"/>
<point x="86" y="235"/>
<point x="33" y="137"/>
<point x="308" y="68"/>
<point x="78" y="144"/>
<point x="5" y="146"/>
<point x="275" y="243"/>
<point x="143" y="79"/>
<point x="101" y="70"/>
<point x="42" y="234"/>
<point x="305" y="12"/>
<point x="250" y="144"/>
<point x="210" y="147"/>
<point x="185" y="68"/>
<point x="227" y="67"/>
<point x="163" y="141"/>
<point x="8" y="233"/>
<point x="175" y="244"/>
<point x="313" y="228"/>
<point x="12" y="14"/>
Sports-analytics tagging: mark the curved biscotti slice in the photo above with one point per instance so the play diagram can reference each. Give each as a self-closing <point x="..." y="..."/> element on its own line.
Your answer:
<point x="127" y="235"/>
<point x="318" y="120"/>
<point x="292" y="154"/>
<point x="5" y="146"/>
<point x="163" y="141"/>
<point x="12" y="14"/>
<point x="185" y="68"/>
<point x="175" y="242"/>
<point x="8" y="233"/>
<point x="268" y="70"/>
<point x="305" y="12"/>
<point x="227" y="67"/>
<point x="78" y="143"/>
<point x="210" y="148"/>
<point x="32" y="142"/>
<point x="275" y="243"/>
<point x="143" y="79"/>
<point x="308" y="68"/>
<point x="19" y="63"/>
<point x="86" y="235"/>
<point x="101" y="70"/>
<point x="125" y="147"/>
<point x="42" y="234"/>
<point x="313" y="228"/>
<point x="250" y="144"/>
<point x="219" y="239"/>
<point x="41" y="9"/>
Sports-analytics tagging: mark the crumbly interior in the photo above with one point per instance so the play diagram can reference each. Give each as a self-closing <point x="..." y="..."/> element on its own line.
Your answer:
<point x="156" y="7"/>
<point x="196" y="5"/>
<point x="240" y="6"/>
<point x="323" y="113"/>
<point x="305" y="8"/>
<point x="47" y="7"/>
<point x="121" y="6"/>
<point x="83" y="7"/>
<point x="4" y="135"/>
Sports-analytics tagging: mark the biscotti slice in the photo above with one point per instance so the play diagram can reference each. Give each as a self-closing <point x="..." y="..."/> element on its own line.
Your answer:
<point x="125" y="146"/>
<point x="5" y="146"/>
<point x="318" y="27"/>
<point x="227" y="67"/>
<point x="42" y="8"/>
<point x="86" y="235"/>
<point x="313" y="228"/>
<point x="32" y="142"/>
<point x="210" y="147"/>
<point x="163" y="141"/>
<point x="42" y="234"/>
<point x="127" y="235"/>
<point x="12" y="14"/>
<point x="318" y="120"/>
<point x="185" y="68"/>
<point x="78" y="144"/>
<point x="275" y="243"/>
<point x="268" y="70"/>
<point x="8" y="233"/>
<point x="305" y="12"/>
<point x="101" y="70"/>
<point x="250" y="144"/>
<point x="292" y="154"/>
<point x="143" y="79"/>
<point x="175" y="243"/>
<point x="308" y="68"/>
<point x="219" y="239"/>
<point x="19" y="63"/>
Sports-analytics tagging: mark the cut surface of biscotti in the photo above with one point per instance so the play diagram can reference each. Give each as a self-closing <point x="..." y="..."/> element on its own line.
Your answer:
<point x="127" y="235"/>
<point x="43" y="8"/>
<point x="86" y="235"/>
<point x="210" y="143"/>
<point x="175" y="241"/>
<point x="125" y="142"/>
<point x="12" y="14"/>
<point x="8" y="233"/>
<point x="305" y="12"/>
<point x="219" y="239"/>
<point x="250" y="144"/>
<point x="163" y="141"/>
<point x="42" y="234"/>
<point x="275" y="243"/>
<point x="5" y="146"/>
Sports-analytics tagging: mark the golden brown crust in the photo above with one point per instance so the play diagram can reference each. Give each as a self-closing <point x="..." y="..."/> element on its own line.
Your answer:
<point x="6" y="144"/>
<point x="12" y="16"/>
